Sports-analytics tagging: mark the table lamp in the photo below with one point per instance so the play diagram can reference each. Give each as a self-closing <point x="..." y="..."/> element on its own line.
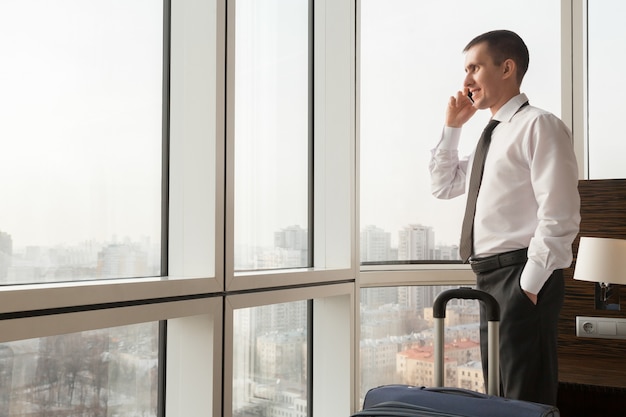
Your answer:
<point x="603" y="261"/>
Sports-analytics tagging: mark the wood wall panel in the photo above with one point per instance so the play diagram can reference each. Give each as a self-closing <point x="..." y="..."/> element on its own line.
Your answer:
<point x="603" y="214"/>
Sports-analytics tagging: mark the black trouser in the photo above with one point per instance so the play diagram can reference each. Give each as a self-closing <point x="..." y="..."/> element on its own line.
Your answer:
<point x="528" y="334"/>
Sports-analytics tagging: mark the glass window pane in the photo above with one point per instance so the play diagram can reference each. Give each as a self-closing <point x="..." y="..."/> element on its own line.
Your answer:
<point x="109" y="372"/>
<point x="270" y="360"/>
<point x="411" y="62"/>
<point x="81" y="102"/>
<point x="397" y="339"/>
<point x="606" y="38"/>
<point x="271" y="134"/>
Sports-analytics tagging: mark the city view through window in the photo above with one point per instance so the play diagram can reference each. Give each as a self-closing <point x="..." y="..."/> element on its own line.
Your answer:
<point x="82" y="106"/>
<point x="81" y="167"/>
<point x="270" y="361"/>
<point x="270" y="348"/>
<point x="271" y="134"/>
<point x="397" y="339"/>
<point x="110" y="372"/>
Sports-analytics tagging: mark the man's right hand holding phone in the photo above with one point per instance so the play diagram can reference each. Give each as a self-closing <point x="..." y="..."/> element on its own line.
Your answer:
<point x="460" y="109"/>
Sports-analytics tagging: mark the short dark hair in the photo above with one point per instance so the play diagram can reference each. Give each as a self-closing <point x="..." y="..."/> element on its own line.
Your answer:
<point x="502" y="45"/>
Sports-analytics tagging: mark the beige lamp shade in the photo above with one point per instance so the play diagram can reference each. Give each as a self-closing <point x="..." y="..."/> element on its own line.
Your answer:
<point x="601" y="260"/>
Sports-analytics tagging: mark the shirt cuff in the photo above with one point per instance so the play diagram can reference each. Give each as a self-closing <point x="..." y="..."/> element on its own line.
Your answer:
<point x="534" y="277"/>
<point x="450" y="138"/>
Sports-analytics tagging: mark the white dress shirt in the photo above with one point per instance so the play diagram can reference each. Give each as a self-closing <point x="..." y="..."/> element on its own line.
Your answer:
<point x="529" y="192"/>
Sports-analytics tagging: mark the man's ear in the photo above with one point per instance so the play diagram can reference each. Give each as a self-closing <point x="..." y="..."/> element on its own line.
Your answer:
<point x="508" y="68"/>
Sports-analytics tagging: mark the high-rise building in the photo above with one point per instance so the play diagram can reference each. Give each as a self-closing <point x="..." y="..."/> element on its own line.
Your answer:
<point x="375" y="245"/>
<point x="447" y="253"/>
<point x="375" y="297"/>
<point x="291" y="248"/>
<point x="416" y="242"/>
<point x="292" y="237"/>
<point x="122" y="260"/>
<point x="6" y="254"/>
<point x="281" y="356"/>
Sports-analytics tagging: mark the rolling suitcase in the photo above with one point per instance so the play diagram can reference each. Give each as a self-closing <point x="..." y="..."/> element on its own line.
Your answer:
<point x="411" y="401"/>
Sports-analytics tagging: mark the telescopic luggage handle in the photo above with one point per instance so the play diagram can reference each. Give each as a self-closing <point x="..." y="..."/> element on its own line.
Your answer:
<point x="466" y="293"/>
<point x="493" y="319"/>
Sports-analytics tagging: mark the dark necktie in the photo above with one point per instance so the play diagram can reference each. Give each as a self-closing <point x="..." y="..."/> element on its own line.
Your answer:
<point x="476" y="175"/>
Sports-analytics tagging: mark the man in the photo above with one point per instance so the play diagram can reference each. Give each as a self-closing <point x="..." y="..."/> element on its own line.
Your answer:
<point x="527" y="212"/>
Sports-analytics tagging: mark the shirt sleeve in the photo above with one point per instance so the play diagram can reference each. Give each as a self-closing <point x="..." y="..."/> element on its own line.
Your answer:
<point x="447" y="171"/>
<point x="554" y="176"/>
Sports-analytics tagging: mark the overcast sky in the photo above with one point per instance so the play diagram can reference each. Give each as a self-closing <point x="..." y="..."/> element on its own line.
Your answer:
<point x="68" y="173"/>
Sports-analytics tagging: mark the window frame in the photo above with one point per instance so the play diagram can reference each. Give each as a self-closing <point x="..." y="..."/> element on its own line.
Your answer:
<point x="333" y="144"/>
<point x="332" y="384"/>
<point x="199" y="278"/>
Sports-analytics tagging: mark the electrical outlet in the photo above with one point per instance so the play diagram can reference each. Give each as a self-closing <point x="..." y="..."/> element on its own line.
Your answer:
<point x="601" y="327"/>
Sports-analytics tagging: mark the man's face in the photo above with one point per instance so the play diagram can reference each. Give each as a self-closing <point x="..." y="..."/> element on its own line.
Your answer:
<point x="483" y="78"/>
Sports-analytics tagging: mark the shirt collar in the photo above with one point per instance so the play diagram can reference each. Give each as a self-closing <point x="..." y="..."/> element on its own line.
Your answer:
<point x="506" y="112"/>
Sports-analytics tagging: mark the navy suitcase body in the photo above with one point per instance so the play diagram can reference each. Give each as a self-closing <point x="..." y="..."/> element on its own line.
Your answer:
<point x="411" y="401"/>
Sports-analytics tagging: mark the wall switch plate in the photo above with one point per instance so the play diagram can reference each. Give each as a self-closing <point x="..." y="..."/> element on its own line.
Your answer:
<point x="601" y="327"/>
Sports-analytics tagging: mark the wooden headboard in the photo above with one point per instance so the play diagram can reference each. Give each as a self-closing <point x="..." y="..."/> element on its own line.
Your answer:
<point x="603" y="214"/>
